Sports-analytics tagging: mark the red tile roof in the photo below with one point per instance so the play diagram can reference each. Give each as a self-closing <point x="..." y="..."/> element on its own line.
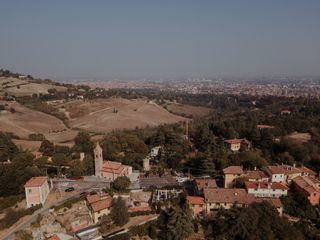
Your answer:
<point x="139" y="209"/>
<point x="101" y="204"/>
<point x="233" y="141"/>
<point x="307" y="171"/>
<point x="310" y="185"/>
<point x="195" y="200"/>
<point x="205" y="183"/>
<point x="265" y="185"/>
<point x="113" y="167"/>
<point x="228" y="195"/>
<point x="54" y="237"/>
<point x="233" y="170"/>
<point x="36" y="181"/>
<point x="284" y="169"/>
<point x="257" y="174"/>
<point x="93" y="198"/>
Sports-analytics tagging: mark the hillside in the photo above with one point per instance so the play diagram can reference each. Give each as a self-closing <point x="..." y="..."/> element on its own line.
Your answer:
<point x="105" y="115"/>
<point x="24" y="121"/>
<point x="25" y="87"/>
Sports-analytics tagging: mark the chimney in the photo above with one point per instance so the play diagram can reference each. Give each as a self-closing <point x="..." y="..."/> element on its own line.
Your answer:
<point x="294" y="165"/>
<point x="255" y="168"/>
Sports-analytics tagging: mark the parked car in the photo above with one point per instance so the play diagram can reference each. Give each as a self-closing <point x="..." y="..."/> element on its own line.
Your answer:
<point x="70" y="189"/>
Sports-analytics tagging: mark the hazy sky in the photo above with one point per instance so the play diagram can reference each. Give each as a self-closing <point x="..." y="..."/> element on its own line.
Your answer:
<point x="108" y="39"/>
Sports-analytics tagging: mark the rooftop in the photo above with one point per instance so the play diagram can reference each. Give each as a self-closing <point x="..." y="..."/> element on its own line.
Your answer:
<point x="233" y="170"/>
<point x="309" y="184"/>
<point x="255" y="174"/>
<point x="36" y="181"/>
<point x="284" y="169"/>
<point x="156" y="181"/>
<point x="205" y="183"/>
<point x="101" y="204"/>
<point x="113" y="167"/>
<point x="194" y="200"/>
<point x="265" y="185"/>
<point x="233" y="141"/>
<point x="228" y="195"/>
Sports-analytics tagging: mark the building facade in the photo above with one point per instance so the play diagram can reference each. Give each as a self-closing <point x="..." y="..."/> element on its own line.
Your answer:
<point x="98" y="205"/>
<point x="309" y="186"/>
<point x="230" y="174"/>
<point x="37" y="190"/>
<point x="266" y="189"/>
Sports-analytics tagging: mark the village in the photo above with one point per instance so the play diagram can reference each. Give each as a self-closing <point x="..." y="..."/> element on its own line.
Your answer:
<point x="89" y="199"/>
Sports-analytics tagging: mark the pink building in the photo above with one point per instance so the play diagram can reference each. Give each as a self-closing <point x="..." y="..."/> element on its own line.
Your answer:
<point x="197" y="204"/>
<point x="37" y="190"/>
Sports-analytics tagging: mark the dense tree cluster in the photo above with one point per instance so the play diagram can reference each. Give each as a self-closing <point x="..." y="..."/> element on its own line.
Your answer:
<point x="7" y="148"/>
<point x="258" y="221"/>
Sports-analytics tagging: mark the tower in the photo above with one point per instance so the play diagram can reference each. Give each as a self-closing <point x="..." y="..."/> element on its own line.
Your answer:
<point x="146" y="164"/>
<point x="98" y="160"/>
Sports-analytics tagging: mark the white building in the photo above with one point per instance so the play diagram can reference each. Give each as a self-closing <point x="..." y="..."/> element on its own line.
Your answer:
<point x="266" y="189"/>
<point x="37" y="190"/>
<point x="155" y="151"/>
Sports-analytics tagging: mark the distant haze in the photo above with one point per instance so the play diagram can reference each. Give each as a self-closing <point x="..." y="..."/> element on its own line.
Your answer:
<point x="160" y="39"/>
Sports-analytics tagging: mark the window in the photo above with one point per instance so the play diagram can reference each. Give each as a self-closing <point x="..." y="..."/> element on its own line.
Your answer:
<point x="30" y="190"/>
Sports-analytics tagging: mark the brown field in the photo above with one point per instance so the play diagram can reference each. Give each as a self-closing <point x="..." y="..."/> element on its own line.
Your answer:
<point x="299" y="137"/>
<point x="27" y="144"/>
<point x="188" y="110"/>
<point x="26" y="88"/>
<point x="98" y="116"/>
<point x="26" y="121"/>
<point x="65" y="136"/>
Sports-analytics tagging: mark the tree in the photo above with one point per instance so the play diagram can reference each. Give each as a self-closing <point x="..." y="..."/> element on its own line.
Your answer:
<point x="88" y="165"/>
<point x="121" y="183"/>
<point x="258" y="221"/>
<point x="83" y="143"/>
<point x="23" y="235"/>
<point x="176" y="223"/>
<point x="119" y="212"/>
<point x="47" y="148"/>
<point x="105" y="223"/>
<point x="239" y="182"/>
<point x="7" y="148"/>
<point x="23" y="160"/>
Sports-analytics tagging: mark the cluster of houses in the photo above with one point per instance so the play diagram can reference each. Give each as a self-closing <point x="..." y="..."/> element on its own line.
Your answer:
<point x="268" y="184"/>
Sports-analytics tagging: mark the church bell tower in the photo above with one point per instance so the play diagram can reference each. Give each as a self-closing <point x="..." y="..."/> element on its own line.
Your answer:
<point x="98" y="160"/>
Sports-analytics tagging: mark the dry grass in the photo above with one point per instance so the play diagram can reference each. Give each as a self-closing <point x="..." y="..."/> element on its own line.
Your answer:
<point x="18" y="87"/>
<point x="27" y="144"/>
<point x="99" y="116"/>
<point x="26" y="121"/>
<point x="300" y="137"/>
<point x="188" y="110"/>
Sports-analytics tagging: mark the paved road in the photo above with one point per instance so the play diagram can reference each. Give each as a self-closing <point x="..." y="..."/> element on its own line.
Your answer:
<point x="80" y="185"/>
<point x="33" y="217"/>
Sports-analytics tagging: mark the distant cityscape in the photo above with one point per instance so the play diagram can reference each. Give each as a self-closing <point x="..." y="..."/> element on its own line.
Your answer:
<point x="273" y="86"/>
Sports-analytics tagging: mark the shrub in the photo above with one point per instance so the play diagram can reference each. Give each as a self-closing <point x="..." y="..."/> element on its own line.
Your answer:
<point x="36" y="137"/>
<point x="12" y="216"/>
<point x="9" y="201"/>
